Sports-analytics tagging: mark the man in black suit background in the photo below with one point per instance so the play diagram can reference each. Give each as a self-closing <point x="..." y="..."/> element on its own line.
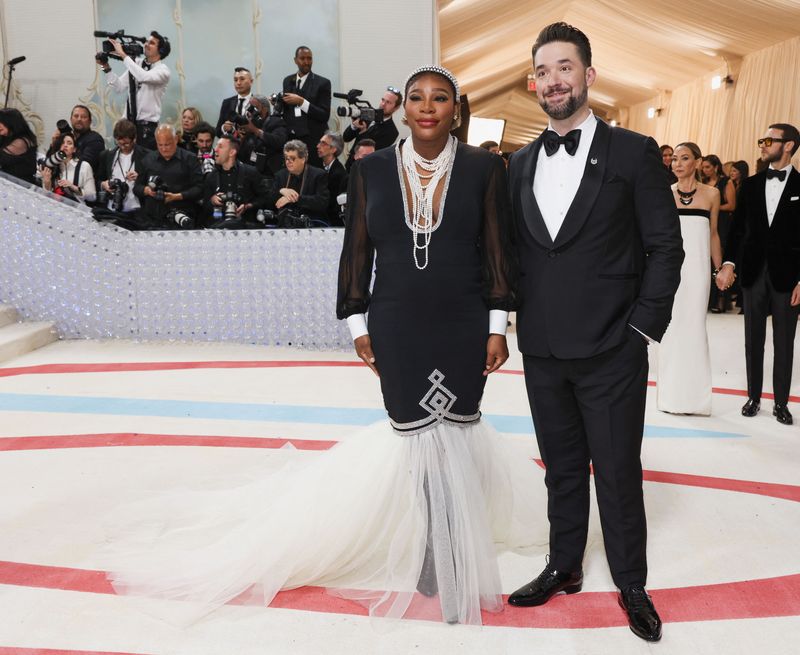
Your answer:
<point x="236" y="104"/>
<point x="600" y="253"/>
<point x="329" y="148"/>
<point x="308" y="103"/>
<point x="764" y="243"/>
<point x="384" y="134"/>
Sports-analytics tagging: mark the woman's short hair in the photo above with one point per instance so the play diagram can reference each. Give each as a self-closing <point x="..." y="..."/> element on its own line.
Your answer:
<point x="198" y="117"/>
<point x="295" y="145"/>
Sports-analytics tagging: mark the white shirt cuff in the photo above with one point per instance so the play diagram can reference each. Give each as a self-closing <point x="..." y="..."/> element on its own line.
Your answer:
<point x="304" y="107"/>
<point x="498" y="321"/>
<point x="358" y="325"/>
<point x="731" y="263"/>
<point x="646" y="338"/>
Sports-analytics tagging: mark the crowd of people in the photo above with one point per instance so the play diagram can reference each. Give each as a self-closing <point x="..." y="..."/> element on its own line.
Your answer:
<point x="267" y="161"/>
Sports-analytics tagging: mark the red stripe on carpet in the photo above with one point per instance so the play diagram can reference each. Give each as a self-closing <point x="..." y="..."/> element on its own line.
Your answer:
<point x="12" y="650"/>
<point x="112" y="439"/>
<point x="122" y="367"/>
<point x="769" y="597"/>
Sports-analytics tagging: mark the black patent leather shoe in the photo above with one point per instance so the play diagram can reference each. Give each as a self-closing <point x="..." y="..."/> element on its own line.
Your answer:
<point x="751" y="407"/>
<point x="549" y="583"/>
<point x="782" y="413"/>
<point x="642" y="616"/>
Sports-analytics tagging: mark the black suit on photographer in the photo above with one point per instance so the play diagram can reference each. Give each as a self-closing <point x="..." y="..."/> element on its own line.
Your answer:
<point x="262" y="137"/>
<point x="383" y="133"/>
<point x="329" y="148"/>
<point x="145" y="84"/>
<point x="170" y="184"/>
<point x="118" y="171"/>
<point x="235" y="107"/>
<point x="300" y="187"/>
<point x="89" y="144"/>
<point x="233" y="192"/>
<point x="308" y="103"/>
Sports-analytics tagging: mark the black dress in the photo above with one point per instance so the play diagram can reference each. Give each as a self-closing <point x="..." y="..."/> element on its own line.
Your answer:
<point x="428" y="327"/>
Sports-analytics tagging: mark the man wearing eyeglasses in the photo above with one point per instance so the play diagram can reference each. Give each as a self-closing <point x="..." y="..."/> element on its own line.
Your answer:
<point x="384" y="134"/>
<point x="764" y="248"/>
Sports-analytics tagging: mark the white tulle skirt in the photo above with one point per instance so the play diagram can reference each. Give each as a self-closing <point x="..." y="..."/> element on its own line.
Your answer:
<point x="356" y="519"/>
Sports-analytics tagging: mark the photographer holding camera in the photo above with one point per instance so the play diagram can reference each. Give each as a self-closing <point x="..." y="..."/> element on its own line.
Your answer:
<point x="89" y="144"/>
<point x="232" y="111"/>
<point x="204" y="142"/>
<point x="262" y="137"/>
<point x="118" y="171"/>
<point x="383" y="132"/>
<point x="234" y="191"/>
<point x="300" y="187"/>
<point x="170" y="184"/>
<point x="145" y="83"/>
<point x="66" y="174"/>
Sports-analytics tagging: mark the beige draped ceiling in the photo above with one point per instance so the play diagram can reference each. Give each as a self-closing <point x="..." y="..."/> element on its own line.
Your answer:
<point x="648" y="53"/>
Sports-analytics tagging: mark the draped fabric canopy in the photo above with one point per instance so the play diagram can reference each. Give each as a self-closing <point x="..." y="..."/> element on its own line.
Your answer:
<point x="643" y="51"/>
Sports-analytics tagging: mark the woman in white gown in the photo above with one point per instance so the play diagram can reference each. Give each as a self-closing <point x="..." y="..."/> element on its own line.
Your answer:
<point x="414" y="505"/>
<point x="684" y="363"/>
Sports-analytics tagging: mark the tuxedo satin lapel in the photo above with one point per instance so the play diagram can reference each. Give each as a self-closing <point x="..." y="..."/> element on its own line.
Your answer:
<point x="760" y="189"/>
<point x="590" y="185"/>
<point x="530" y="208"/>
<point x="790" y="189"/>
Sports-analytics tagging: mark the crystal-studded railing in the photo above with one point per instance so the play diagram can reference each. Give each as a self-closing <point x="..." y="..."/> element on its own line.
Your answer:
<point x="93" y="280"/>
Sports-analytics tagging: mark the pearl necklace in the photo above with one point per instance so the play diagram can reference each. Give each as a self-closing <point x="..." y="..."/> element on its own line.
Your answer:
<point x="420" y="217"/>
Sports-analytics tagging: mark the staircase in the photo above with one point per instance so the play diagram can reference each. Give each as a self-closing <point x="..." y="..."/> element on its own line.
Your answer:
<point x="19" y="338"/>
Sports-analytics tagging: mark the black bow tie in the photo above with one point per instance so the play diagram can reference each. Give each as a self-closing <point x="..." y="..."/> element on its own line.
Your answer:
<point x="570" y="141"/>
<point x="772" y="173"/>
<point x="146" y="65"/>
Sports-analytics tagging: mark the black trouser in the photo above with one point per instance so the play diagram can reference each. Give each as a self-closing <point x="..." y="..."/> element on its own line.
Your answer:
<point x="592" y="410"/>
<point x="760" y="299"/>
<point x="146" y="134"/>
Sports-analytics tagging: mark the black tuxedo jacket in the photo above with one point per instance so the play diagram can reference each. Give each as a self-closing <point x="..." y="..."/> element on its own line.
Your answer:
<point x="337" y="183"/>
<point x="313" y="194"/>
<point x="226" y="109"/>
<point x="752" y="241"/>
<point x="384" y="134"/>
<point x="616" y="259"/>
<point x="104" y="167"/>
<point x="251" y="186"/>
<point x="317" y="90"/>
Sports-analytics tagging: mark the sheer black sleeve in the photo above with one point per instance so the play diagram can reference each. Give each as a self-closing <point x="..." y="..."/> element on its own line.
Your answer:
<point x="497" y="249"/>
<point x="358" y="253"/>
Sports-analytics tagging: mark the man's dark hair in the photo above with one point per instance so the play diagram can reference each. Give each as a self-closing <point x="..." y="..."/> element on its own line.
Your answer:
<point x="363" y="143"/>
<point x="565" y="32"/>
<point x="299" y="48"/>
<point x="85" y="108"/>
<point x="241" y="69"/>
<point x="124" y="129"/>
<point x="164" y="48"/>
<point x="235" y="143"/>
<point x="204" y="128"/>
<point x="486" y="145"/>
<point x="789" y="132"/>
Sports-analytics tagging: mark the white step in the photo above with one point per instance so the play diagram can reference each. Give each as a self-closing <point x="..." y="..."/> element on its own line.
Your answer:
<point x="20" y="338"/>
<point x="8" y="315"/>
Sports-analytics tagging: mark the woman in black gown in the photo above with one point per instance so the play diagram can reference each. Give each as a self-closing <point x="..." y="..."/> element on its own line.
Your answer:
<point x="17" y="146"/>
<point x="380" y="517"/>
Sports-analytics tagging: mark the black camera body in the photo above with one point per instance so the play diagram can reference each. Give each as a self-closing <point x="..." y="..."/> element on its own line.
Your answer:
<point x="117" y="195"/>
<point x="278" y="104"/>
<point x="230" y="201"/>
<point x="131" y="45"/>
<point x="358" y="108"/>
<point x="158" y="186"/>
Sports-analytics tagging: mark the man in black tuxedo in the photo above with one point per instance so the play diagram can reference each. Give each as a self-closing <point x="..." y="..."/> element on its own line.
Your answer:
<point x="600" y="253"/>
<point x="308" y="103"/>
<point x="764" y="241"/>
<point x="237" y="104"/>
<point x="329" y="148"/>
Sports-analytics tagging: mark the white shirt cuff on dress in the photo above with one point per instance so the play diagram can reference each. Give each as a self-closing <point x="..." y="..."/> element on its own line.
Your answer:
<point x="498" y="321"/>
<point x="358" y="325"/>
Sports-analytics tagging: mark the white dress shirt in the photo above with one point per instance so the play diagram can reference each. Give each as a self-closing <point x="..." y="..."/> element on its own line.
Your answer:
<point x="299" y="82"/>
<point x="152" y="87"/>
<point x="773" y="192"/>
<point x="558" y="177"/>
<point x="245" y="104"/>
<point x="66" y="171"/>
<point x="124" y="164"/>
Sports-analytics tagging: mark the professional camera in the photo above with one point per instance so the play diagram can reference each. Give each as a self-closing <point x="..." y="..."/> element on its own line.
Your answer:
<point x="128" y="42"/>
<point x="63" y="127"/>
<point x="237" y="120"/>
<point x="53" y="159"/>
<point x="358" y="108"/>
<point x="119" y="190"/>
<point x="278" y="105"/>
<point x="292" y="219"/>
<point x="158" y="187"/>
<point x="180" y="219"/>
<point x="207" y="162"/>
<point x="230" y="201"/>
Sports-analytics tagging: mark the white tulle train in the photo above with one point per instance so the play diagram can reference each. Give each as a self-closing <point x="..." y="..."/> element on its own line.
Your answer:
<point x="355" y="519"/>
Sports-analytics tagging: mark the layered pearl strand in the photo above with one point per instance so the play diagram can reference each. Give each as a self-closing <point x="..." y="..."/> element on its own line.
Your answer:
<point x="423" y="188"/>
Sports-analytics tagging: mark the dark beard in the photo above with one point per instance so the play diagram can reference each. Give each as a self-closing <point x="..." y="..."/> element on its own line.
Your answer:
<point x="771" y="159"/>
<point x="566" y="110"/>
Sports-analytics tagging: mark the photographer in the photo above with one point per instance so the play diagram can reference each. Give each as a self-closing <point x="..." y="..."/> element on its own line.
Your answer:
<point x="300" y="186"/>
<point x="65" y="174"/>
<point x="233" y="109"/>
<point x="169" y="185"/>
<point x="89" y="143"/>
<point x="17" y="146"/>
<point x="204" y="142"/>
<point x="119" y="169"/>
<point x="263" y="137"/>
<point x="384" y="134"/>
<point x="329" y="148"/>
<point x="145" y="84"/>
<point x="233" y="192"/>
